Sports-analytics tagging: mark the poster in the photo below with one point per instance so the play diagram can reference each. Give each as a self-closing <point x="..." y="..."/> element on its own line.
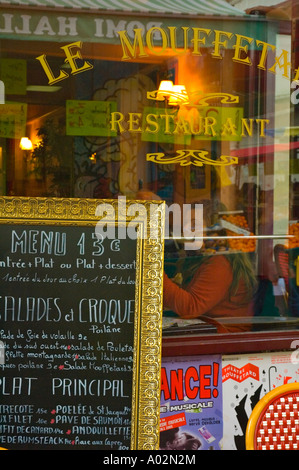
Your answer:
<point x="13" y="118"/>
<point x="89" y="117"/>
<point x="245" y="380"/>
<point x="191" y="403"/>
<point x="14" y="75"/>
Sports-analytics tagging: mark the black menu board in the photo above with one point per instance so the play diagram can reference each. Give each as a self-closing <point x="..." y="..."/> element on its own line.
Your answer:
<point x="68" y="329"/>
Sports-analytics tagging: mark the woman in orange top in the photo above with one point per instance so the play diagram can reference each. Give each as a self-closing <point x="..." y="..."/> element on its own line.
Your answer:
<point x="222" y="286"/>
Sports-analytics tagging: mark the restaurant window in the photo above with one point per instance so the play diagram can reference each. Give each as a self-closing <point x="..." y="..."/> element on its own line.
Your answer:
<point x="223" y="136"/>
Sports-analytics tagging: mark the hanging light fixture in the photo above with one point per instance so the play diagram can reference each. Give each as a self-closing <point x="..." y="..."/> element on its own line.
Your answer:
<point x="26" y="144"/>
<point x="178" y="96"/>
<point x="175" y="94"/>
<point x="165" y="89"/>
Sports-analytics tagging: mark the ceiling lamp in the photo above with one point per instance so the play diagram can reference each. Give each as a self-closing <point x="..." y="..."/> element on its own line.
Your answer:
<point x="26" y="144"/>
<point x="178" y="96"/>
<point x="175" y="94"/>
<point x="165" y="89"/>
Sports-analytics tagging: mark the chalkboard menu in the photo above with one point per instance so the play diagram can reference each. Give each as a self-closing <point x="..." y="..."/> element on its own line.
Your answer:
<point x="80" y="325"/>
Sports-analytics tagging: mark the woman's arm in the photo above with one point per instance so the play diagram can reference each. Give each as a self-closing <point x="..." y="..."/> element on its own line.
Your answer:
<point x="209" y="286"/>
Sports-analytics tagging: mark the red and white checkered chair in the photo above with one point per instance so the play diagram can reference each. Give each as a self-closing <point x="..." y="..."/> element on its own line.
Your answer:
<point x="274" y="421"/>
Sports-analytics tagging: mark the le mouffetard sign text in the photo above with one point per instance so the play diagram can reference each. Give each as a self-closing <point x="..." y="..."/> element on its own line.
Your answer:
<point x="169" y="125"/>
<point x="194" y="39"/>
<point x="80" y="322"/>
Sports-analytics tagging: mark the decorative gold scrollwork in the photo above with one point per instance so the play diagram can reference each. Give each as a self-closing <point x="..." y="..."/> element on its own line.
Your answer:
<point x="157" y="96"/>
<point x="204" y="100"/>
<point x="190" y="157"/>
<point x="198" y="99"/>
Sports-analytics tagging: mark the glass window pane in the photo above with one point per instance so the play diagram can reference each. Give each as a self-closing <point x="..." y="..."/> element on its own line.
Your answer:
<point x="219" y="145"/>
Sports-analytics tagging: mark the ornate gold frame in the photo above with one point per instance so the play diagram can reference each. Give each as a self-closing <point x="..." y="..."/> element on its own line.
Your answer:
<point x="148" y="291"/>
